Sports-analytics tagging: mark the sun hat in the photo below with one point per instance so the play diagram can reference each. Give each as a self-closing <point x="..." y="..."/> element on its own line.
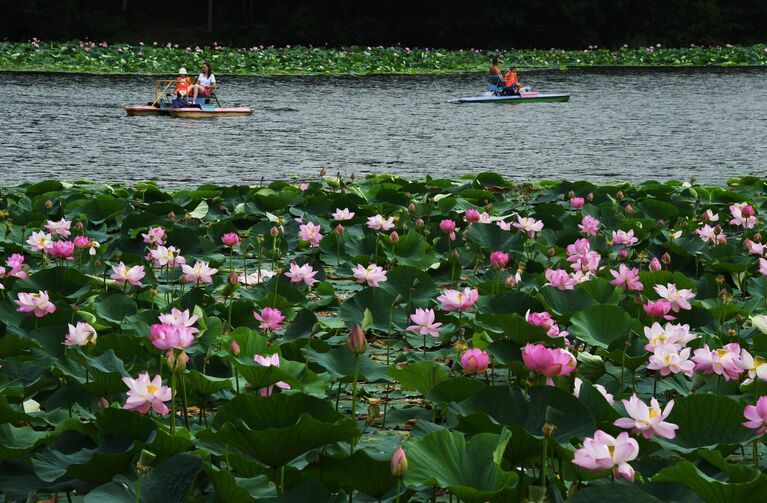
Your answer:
<point x="182" y="71"/>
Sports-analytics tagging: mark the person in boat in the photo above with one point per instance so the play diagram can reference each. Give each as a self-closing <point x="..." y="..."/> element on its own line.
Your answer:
<point x="511" y="85"/>
<point x="495" y="77"/>
<point x="183" y="83"/>
<point x="206" y="82"/>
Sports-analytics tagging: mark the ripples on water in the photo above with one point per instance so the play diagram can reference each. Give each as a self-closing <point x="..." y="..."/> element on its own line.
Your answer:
<point x="619" y="124"/>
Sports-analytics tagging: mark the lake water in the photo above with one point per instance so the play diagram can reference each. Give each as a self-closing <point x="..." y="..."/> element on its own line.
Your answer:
<point x="619" y="125"/>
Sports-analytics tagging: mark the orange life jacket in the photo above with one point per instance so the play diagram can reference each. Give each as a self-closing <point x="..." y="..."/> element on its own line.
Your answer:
<point x="510" y="78"/>
<point x="182" y="85"/>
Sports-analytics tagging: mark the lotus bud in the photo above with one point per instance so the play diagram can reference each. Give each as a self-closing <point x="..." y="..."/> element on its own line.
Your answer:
<point x="339" y="229"/>
<point x="725" y="295"/>
<point x="233" y="278"/>
<point x="49" y="204"/>
<point x="655" y="264"/>
<point x="103" y="403"/>
<point x="693" y="179"/>
<point x="748" y="211"/>
<point x="419" y="222"/>
<point x="511" y="281"/>
<point x="665" y="258"/>
<point x="182" y="280"/>
<point x="234" y="348"/>
<point x="732" y="333"/>
<point x="399" y="463"/>
<point x="394" y="236"/>
<point x="274" y="231"/>
<point x="570" y="194"/>
<point x="411" y="208"/>
<point x="718" y="229"/>
<point x="758" y="237"/>
<point x="79" y="226"/>
<point x="719" y="280"/>
<point x="629" y="209"/>
<point x="548" y="429"/>
<point x="177" y="362"/>
<point x="590" y="196"/>
<point x="145" y="460"/>
<point x="489" y="207"/>
<point x="619" y="195"/>
<point x="623" y="253"/>
<point x="454" y="254"/>
<point x="323" y="171"/>
<point x="357" y="343"/>
<point x="353" y="176"/>
<point x="551" y="251"/>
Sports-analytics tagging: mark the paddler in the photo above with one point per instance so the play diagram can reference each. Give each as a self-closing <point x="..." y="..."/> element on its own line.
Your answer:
<point x="494" y="70"/>
<point x="182" y="83"/>
<point x="510" y="82"/>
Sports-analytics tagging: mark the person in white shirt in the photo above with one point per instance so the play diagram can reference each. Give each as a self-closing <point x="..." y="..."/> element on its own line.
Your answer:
<point x="206" y="82"/>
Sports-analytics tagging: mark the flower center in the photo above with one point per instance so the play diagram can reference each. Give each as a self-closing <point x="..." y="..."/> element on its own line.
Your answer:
<point x="151" y="388"/>
<point x="654" y="412"/>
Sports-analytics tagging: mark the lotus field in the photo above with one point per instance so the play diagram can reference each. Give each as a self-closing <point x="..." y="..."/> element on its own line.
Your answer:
<point x="384" y="340"/>
<point x="164" y="59"/>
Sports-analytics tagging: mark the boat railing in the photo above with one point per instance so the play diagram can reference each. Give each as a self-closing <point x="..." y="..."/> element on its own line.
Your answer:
<point x="157" y="92"/>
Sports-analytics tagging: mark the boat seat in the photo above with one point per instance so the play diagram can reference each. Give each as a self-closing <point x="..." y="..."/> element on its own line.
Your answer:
<point x="493" y="82"/>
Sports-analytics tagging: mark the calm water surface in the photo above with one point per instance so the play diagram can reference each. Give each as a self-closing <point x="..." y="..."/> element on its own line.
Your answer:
<point x="627" y="125"/>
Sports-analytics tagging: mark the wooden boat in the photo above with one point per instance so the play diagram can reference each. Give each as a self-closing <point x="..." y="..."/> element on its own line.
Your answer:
<point x="205" y="106"/>
<point x="209" y="111"/>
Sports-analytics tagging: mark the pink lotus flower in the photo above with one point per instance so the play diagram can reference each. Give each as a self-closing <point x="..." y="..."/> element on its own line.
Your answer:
<point x="714" y="235"/>
<point x="310" y="232"/>
<point x="304" y="274"/>
<point x="627" y="279"/>
<point x="604" y="452"/>
<point x="379" y="223"/>
<point x="544" y="320"/>
<point x="679" y="298"/>
<point x="180" y="318"/>
<point x="16" y="263"/>
<point x="559" y="279"/>
<point x="676" y="335"/>
<point x="754" y="248"/>
<point x="589" y="226"/>
<point x="762" y="266"/>
<point x="455" y="300"/>
<point x="270" y="318"/>
<point x="471" y="215"/>
<point x="528" y="225"/>
<point x="170" y="256"/>
<point x="499" y="260"/>
<point x="550" y="362"/>
<point x="709" y="216"/>
<point x="484" y="218"/>
<point x="39" y="241"/>
<point x="82" y="241"/>
<point x="270" y="361"/>
<point x="654" y="265"/>
<point x="648" y="420"/>
<point x="725" y="361"/>
<point x="423" y="322"/>
<point x="61" y="249"/>
<point x="448" y="227"/>
<point x="372" y="274"/>
<point x="200" y="273"/>
<point x="81" y="334"/>
<point x="625" y="238"/>
<point x="756" y="366"/>
<point x="145" y="394"/>
<point x="581" y="257"/>
<point x="577" y="390"/>
<point x="231" y="239"/>
<point x="36" y="303"/>
<point x="60" y="228"/>
<point x="155" y="236"/>
<point x="757" y="416"/>
<point x="668" y="359"/>
<point x="743" y="215"/>
<point x="658" y="308"/>
<point x="168" y="336"/>
<point x="474" y="361"/>
<point x="341" y="215"/>
<point x="576" y="202"/>
<point x="506" y="226"/>
<point x="123" y="273"/>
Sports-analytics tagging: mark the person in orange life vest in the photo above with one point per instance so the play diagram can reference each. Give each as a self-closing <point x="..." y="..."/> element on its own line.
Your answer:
<point x="182" y="83"/>
<point x="510" y="81"/>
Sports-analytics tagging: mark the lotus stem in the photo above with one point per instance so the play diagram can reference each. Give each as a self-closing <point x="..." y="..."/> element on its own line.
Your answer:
<point x="173" y="403"/>
<point x="354" y="396"/>
<point x="282" y="479"/>
<point x="543" y="461"/>
<point x="399" y="482"/>
<point x="183" y="398"/>
<point x="138" y="488"/>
